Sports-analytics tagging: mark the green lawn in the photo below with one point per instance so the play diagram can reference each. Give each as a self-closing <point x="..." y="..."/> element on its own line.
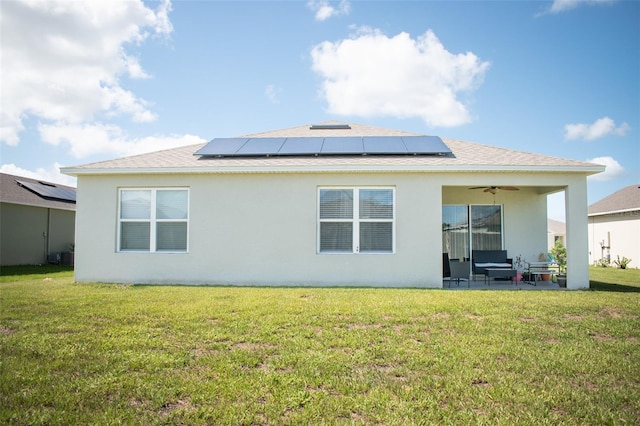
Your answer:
<point x="116" y="354"/>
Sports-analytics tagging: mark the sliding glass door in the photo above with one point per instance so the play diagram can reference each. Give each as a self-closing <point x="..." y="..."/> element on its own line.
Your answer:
<point x="486" y="227"/>
<point x="455" y="231"/>
<point x="475" y="226"/>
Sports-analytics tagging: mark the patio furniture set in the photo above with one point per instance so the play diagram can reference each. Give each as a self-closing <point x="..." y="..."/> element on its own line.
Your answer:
<point x="494" y="264"/>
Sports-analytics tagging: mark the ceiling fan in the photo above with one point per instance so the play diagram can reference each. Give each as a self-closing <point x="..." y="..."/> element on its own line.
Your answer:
<point x="494" y="189"/>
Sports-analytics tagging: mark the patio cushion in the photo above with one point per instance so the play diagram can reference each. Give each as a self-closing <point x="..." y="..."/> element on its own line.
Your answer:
<point x="487" y="256"/>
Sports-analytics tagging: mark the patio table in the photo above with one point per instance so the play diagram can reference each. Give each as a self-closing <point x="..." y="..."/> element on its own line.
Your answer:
<point x="535" y="270"/>
<point x="498" y="273"/>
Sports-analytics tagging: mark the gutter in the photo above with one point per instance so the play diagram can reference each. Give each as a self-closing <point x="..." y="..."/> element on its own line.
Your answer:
<point x="613" y="212"/>
<point x="339" y="168"/>
<point x="71" y="208"/>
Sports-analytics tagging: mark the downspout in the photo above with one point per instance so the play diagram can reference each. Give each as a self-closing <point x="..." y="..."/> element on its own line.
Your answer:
<point x="48" y="237"/>
<point x="593" y="240"/>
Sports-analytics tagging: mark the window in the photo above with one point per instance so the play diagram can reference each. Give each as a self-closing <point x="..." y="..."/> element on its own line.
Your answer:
<point x="153" y="220"/>
<point x="356" y="220"/>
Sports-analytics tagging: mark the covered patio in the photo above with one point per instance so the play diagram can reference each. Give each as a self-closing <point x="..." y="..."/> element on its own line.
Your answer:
<point x="510" y="216"/>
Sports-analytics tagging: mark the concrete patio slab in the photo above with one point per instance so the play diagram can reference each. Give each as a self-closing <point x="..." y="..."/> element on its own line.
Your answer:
<point x="500" y="285"/>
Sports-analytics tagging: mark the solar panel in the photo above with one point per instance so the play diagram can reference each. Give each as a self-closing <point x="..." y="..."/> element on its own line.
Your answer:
<point x="48" y="191"/>
<point x="222" y="147"/>
<point x="384" y="145"/>
<point x="425" y="145"/>
<point x="345" y="145"/>
<point x="342" y="145"/>
<point x="261" y="146"/>
<point x="301" y="146"/>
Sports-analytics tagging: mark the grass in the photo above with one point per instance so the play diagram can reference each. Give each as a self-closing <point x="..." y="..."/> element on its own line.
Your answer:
<point x="33" y="272"/>
<point x="117" y="354"/>
<point x="614" y="279"/>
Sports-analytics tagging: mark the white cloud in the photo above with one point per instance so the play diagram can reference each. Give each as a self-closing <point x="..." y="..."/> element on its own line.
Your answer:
<point x="48" y="175"/>
<point x="273" y="93"/>
<point x="85" y="140"/>
<point x="371" y="75"/>
<point x="563" y="5"/>
<point x="62" y="60"/>
<point x="324" y="10"/>
<point x="598" y="129"/>
<point x="613" y="169"/>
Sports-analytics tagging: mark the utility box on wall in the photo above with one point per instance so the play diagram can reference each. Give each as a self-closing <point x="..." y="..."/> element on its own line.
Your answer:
<point x="68" y="258"/>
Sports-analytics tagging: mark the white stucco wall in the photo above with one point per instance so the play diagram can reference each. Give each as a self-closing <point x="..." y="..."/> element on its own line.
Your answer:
<point x="28" y="233"/>
<point x="261" y="229"/>
<point x="621" y="231"/>
<point x="22" y="230"/>
<point x="257" y="229"/>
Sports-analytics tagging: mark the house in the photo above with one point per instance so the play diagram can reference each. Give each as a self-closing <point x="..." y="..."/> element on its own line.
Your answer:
<point x="556" y="231"/>
<point x="331" y="204"/>
<point x="37" y="220"/>
<point x="614" y="226"/>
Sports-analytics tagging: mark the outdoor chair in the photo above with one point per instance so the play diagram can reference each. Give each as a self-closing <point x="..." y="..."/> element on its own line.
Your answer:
<point x="459" y="271"/>
<point x="446" y="272"/>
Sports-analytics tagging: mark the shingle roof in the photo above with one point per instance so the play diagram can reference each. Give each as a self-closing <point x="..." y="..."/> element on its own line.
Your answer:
<point x="307" y="131"/>
<point x="466" y="156"/>
<point x="625" y="199"/>
<point x="556" y="227"/>
<point x="13" y="193"/>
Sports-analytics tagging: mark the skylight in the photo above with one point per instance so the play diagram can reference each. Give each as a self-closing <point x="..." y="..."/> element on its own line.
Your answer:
<point x="330" y="127"/>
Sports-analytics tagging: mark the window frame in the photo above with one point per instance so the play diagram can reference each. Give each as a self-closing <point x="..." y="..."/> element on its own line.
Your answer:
<point x="356" y="221"/>
<point x="153" y="221"/>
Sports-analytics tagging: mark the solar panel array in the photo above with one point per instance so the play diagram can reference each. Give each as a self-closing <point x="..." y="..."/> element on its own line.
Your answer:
<point x="49" y="191"/>
<point x="312" y="146"/>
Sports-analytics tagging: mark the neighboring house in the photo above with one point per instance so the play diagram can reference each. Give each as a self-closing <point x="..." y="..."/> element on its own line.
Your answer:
<point x="556" y="231"/>
<point x="37" y="220"/>
<point x="333" y="204"/>
<point x="614" y="226"/>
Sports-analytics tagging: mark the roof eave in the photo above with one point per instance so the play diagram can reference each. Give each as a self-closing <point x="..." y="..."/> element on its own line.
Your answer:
<point x="71" y="207"/>
<point x="341" y="168"/>
<point x="614" y="212"/>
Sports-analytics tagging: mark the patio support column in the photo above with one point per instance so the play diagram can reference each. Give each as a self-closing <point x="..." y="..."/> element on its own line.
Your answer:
<point x="577" y="235"/>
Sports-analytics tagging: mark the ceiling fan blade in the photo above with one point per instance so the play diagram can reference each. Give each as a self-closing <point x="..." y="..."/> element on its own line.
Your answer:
<point x="479" y="187"/>
<point x="509" y="188"/>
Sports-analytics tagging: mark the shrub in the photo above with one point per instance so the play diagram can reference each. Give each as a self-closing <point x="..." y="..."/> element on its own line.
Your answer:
<point x="559" y="253"/>
<point x="622" y="263"/>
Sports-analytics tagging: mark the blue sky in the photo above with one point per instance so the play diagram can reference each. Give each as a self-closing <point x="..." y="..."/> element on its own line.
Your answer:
<point x="95" y="80"/>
